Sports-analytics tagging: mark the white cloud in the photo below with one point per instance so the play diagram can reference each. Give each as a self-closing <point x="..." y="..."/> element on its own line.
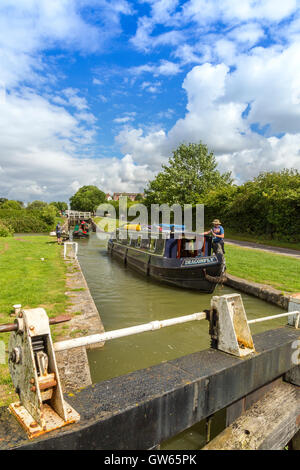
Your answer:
<point x="209" y="11"/>
<point x="269" y="79"/>
<point x="151" y="87"/>
<point x="225" y="106"/>
<point x="272" y="154"/>
<point x="161" y="13"/>
<point x="244" y="22"/>
<point x="40" y="140"/>
<point x="103" y="98"/>
<point x="168" y="114"/>
<point x="151" y="149"/>
<point x="39" y="145"/>
<point x="96" y="81"/>
<point x="28" y="27"/>
<point x="74" y="100"/>
<point x="188" y="54"/>
<point x="123" y="120"/>
<point x="165" y="67"/>
<point x="248" y="33"/>
<point x="43" y="135"/>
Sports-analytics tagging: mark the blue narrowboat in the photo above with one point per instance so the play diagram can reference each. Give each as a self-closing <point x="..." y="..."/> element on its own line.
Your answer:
<point x="183" y="260"/>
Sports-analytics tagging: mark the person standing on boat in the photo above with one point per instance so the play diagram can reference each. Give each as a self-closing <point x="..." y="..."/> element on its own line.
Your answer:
<point x="217" y="232"/>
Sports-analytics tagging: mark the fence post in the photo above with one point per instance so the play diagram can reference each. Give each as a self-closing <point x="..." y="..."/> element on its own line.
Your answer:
<point x="230" y="329"/>
<point x="293" y="375"/>
<point x="294" y="305"/>
<point x="74" y="249"/>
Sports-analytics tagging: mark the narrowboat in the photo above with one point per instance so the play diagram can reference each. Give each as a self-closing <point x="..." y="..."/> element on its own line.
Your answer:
<point x="186" y="262"/>
<point x="82" y="231"/>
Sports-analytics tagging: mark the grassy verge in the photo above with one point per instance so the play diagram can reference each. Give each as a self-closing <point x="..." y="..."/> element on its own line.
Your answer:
<point x="261" y="240"/>
<point x="28" y="280"/>
<point x="280" y="272"/>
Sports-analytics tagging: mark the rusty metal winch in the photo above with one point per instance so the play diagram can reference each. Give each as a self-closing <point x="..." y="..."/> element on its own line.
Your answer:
<point x="34" y="370"/>
<point x="34" y="373"/>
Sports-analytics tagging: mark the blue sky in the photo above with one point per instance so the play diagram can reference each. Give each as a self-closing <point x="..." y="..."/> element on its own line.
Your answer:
<point x="100" y="92"/>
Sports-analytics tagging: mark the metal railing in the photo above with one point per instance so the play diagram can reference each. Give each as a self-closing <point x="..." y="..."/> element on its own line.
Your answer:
<point x="151" y="326"/>
<point x="80" y="214"/>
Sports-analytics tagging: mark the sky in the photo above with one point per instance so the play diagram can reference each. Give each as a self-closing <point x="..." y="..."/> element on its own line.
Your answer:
<point x="101" y="92"/>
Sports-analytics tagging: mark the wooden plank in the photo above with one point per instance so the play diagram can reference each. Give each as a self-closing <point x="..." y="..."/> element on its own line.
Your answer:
<point x="236" y="409"/>
<point x="293" y="376"/>
<point x="269" y="424"/>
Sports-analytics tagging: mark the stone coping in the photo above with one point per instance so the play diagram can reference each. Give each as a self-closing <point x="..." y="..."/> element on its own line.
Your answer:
<point x="73" y="364"/>
<point x="262" y="291"/>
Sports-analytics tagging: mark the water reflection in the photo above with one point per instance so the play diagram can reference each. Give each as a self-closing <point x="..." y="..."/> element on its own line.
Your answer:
<point x="125" y="298"/>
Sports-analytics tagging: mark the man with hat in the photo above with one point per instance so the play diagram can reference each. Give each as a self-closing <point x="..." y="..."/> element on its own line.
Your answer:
<point x="218" y="236"/>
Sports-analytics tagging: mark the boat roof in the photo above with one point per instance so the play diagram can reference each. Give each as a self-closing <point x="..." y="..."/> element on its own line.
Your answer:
<point x="149" y="231"/>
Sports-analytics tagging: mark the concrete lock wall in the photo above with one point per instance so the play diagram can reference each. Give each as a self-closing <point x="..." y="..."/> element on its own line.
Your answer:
<point x="162" y="400"/>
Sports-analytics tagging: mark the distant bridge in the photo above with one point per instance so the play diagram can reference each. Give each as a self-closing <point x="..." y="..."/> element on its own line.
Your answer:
<point x="79" y="215"/>
<point x="76" y="217"/>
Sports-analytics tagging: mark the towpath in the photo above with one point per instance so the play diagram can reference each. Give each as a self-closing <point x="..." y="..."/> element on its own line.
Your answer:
<point x="268" y="248"/>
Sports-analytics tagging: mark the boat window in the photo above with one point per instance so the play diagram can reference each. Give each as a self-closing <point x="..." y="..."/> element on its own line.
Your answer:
<point x="160" y="245"/>
<point x="133" y="241"/>
<point x="153" y="244"/>
<point x="125" y="240"/>
<point x="188" y="248"/>
<point x="145" y="243"/>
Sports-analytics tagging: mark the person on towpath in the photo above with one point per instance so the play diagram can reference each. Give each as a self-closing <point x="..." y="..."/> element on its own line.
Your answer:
<point x="58" y="233"/>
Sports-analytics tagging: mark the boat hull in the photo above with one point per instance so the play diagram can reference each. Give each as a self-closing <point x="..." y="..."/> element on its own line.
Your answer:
<point x="181" y="272"/>
<point x="80" y="235"/>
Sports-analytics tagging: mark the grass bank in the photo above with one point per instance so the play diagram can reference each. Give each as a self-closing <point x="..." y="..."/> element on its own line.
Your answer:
<point x="280" y="272"/>
<point x="261" y="240"/>
<point x="28" y="280"/>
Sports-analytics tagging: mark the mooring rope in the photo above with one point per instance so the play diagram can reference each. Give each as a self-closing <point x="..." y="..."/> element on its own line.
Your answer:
<point x="218" y="279"/>
<point x="215" y="279"/>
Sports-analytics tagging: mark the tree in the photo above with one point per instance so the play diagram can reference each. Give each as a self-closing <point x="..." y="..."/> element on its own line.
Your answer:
<point x="2" y="200"/>
<point x="190" y="173"/>
<point x="87" y="198"/>
<point x="267" y="206"/>
<point x="16" y="205"/>
<point x="48" y="214"/>
<point x="60" y="206"/>
<point x="37" y="205"/>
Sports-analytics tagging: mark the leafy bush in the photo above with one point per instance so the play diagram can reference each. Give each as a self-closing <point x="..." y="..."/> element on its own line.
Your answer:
<point x="16" y="205"/>
<point x="5" y="230"/>
<point x="60" y="206"/>
<point x="36" y="205"/>
<point x="48" y="214"/>
<point x="269" y="205"/>
<point x="26" y="221"/>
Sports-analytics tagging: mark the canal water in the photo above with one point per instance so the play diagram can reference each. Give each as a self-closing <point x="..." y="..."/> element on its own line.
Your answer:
<point x="125" y="298"/>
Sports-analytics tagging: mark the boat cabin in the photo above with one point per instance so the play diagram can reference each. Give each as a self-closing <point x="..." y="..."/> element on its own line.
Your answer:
<point x="171" y="245"/>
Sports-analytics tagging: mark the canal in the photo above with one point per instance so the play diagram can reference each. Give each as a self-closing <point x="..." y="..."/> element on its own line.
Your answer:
<point x="125" y="298"/>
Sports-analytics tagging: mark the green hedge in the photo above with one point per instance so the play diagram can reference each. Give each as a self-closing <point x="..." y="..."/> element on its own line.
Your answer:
<point x="5" y="230"/>
<point x="25" y="221"/>
<point x="269" y="205"/>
